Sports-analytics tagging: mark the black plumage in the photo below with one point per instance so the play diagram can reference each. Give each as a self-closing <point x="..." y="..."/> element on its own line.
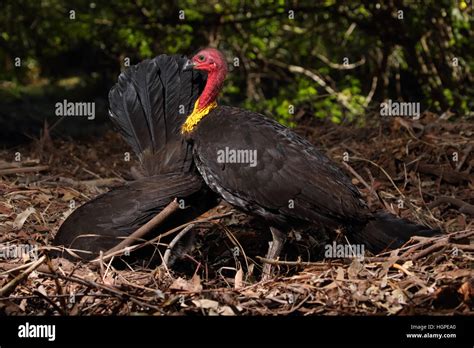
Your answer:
<point x="292" y="184"/>
<point x="148" y="105"/>
<point x="288" y="168"/>
<point x="106" y="220"/>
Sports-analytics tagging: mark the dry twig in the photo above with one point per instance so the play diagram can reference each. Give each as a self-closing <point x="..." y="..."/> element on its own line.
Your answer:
<point x="171" y="208"/>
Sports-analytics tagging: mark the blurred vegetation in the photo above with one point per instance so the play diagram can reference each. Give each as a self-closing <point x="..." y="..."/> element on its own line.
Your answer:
<point x="331" y="59"/>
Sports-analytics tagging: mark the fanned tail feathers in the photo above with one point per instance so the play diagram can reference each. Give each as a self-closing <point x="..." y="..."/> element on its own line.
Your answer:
<point x="149" y="104"/>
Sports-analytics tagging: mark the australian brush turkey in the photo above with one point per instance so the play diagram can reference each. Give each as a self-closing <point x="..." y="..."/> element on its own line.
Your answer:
<point x="289" y="183"/>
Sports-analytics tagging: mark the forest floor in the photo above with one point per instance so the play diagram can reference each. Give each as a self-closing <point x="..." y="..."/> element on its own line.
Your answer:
<point x="420" y="170"/>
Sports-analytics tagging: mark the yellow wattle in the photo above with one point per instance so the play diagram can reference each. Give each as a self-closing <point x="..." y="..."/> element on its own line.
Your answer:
<point x="193" y="119"/>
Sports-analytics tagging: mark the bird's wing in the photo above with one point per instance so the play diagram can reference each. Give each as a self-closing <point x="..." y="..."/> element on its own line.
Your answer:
<point x="290" y="178"/>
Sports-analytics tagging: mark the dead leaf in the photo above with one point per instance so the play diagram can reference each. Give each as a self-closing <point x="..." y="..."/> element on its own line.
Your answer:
<point x="196" y="281"/>
<point x="398" y="296"/>
<point x="21" y="218"/>
<point x="23" y="304"/>
<point x="384" y="281"/>
<point x="180" y="284"/>
<point x="42" y="290"/>
<point x="238" y="278"/>
<point x="407" y="264"/>
<point x="467" y="291"/>
<point x="354" y="269"/>
<point x="213" y="307"/>
<point x="206" y="304"/>
<point x="68" y="196"/>
<point x="44" y="197"/>
<point x="109" y="279"/>
<point x="340" y="273"/>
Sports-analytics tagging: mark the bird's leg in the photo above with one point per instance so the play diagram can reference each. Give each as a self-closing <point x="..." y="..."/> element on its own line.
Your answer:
<point x="274" y="250"/>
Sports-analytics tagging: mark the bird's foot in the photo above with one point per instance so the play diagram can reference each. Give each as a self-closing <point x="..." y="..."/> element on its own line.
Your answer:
<point x="274" y="250"/>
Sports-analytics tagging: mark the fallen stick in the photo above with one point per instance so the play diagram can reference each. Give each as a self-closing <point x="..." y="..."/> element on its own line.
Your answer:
<point x="429" y="250"/>
<point x="94" y="182"/>
<point x="361" y="180"/>
<point x="51" y="302"/>
<point x="48" y="272"/>
<point x="197" y="221"/>
<point x="422" y="241"/>
<point x="91" y="284"/>
<point x="23" y="170"/>
<point x="29" y="297"/>
<point x="174" y="230"/>
<point x="294" y="263"/>
<point x="436" y="244"/>
<point x="10" y="286"/>
<point x="143" y="230"/>
<point x="175" y="240"/>
<point x="9" y="267"/>
<point x="462" y="206"/>
<point x="101" y="182"/>
<point x="426" y="244"/>
<point x="445" y="172"/>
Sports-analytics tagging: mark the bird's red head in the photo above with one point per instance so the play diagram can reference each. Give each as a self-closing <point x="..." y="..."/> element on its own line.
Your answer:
<point x="210" y="60"/>
<point x="213" y="62"/>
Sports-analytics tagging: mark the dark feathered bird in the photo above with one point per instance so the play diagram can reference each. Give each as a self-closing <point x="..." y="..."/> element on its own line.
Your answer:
<point x="103" y="222"/>
<point x="148" y="105"/>
<point x="290" y="183"/>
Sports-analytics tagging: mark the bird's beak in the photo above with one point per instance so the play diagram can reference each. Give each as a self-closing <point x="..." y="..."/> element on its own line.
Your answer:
<point x="189" y="65"/>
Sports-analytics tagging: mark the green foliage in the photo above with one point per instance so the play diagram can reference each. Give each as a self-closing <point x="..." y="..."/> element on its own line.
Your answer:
<point x="410" y="58"/>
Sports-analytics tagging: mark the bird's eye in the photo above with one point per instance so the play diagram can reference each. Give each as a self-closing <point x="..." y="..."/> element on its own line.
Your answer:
<point x="201" y="58"/>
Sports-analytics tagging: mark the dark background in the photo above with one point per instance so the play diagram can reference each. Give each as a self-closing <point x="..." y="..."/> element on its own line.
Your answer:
<point x="290" y="53"/>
